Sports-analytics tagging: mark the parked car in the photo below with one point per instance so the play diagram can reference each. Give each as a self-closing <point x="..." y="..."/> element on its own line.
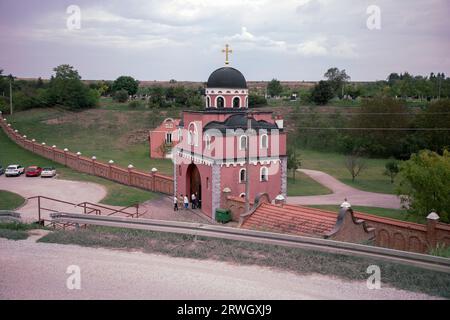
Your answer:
<point x="48" y="172"/>
<point x="2" y="171"/>
<point x="33" y="171"/>
<point x="14" y="170"/>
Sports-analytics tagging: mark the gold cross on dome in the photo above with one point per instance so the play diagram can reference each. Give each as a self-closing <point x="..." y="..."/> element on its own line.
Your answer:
<point x="227" y="51"/>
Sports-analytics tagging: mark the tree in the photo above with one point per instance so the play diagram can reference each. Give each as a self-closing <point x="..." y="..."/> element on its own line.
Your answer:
<point x="293" y="161"/>
<point x="322" y="93"/>
<point x="67" y="89"/>
<point x="337" y="79"/>
<point x="66" y="72"/>
<point x="255" y="100"/>
<point x="355" y="163"/>
<point x="392" y="169"/>
<point x="424" y="184"/>
<point x="126" y="83"/>
<point x="274" y="88"/>
<point x="121" y="96"/>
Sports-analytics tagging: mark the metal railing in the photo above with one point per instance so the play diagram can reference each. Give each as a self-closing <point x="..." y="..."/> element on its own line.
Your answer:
<point x="88" y="209"/>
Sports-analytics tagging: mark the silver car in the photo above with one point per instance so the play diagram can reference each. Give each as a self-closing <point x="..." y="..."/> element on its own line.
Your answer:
<point x="48" y="172"/>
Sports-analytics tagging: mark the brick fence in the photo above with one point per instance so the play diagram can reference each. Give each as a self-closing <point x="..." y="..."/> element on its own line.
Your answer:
<point x="128" y="176"/>
<point x="389" y="233"/>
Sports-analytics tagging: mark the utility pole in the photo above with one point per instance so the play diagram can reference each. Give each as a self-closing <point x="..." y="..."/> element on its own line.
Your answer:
<point x="247" y="163"/>
<point x="10" y="95"/>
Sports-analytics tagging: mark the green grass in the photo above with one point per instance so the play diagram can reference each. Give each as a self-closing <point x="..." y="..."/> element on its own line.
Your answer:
<point x="15" y="230"/>
<point x="300" y="261"/>
<point x="304" y="186"/>
<point x="117" y="194"/>
<point x="10" y="200"/>
<point x="382" y="212"/>
<point x="371" y="179"/>
<point x="106" y="134"/>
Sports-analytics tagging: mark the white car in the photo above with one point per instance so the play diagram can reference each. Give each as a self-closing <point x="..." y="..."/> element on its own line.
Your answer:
<point x="48" y="172"/>
<point x="14" y="170"/>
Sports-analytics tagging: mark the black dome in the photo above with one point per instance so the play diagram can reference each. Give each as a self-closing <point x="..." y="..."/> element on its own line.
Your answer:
<point x="227" y="77"/>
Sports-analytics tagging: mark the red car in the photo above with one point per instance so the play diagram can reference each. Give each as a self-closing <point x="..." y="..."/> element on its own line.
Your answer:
<point x="33" y="171"/>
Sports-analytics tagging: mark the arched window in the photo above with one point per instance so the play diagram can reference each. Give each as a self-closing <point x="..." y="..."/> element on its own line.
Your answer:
<point x="242" y="175"/>
<point x="208" y="142"/>
<point x="236" y="102"/>
<point x="192" y="134"/>
<point x="208" y="102"/>
<point x="264" y="142"/>
<point x="264" y="174"/>
<point x="242" y="142"/>
<point x="246" y="102"/>
<point x="220" y="102"/>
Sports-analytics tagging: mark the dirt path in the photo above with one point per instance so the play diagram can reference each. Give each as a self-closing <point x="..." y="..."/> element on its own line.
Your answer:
<point x="115" y="274"/>
<point x="342" y="191"/>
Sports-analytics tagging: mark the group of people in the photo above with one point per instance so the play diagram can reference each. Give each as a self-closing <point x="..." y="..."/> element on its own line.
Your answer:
<point x="183" y="202"/>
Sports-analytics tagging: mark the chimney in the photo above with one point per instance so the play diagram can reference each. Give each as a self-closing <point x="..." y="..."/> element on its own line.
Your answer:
<point x="279" y="121"/>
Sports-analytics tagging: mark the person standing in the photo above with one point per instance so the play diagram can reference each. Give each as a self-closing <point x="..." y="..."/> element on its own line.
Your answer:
<point x="194" y="201"/>
<point x="175" y="203"/>
<point x="186" y="202"/>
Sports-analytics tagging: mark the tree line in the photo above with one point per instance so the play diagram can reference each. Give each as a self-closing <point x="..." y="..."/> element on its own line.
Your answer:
<point x="337" y="85"/>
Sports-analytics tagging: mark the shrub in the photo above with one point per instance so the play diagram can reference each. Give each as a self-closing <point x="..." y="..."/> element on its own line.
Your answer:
<point x="121" y="96"/>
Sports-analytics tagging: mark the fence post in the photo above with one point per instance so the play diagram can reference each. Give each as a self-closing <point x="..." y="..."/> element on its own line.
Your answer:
<point x="130" y="168"/>
<point x="432" y="220"/>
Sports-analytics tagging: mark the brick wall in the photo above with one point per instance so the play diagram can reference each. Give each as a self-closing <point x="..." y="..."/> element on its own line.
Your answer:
<point x="389" y="233"/>
<point x="148" y="181"/>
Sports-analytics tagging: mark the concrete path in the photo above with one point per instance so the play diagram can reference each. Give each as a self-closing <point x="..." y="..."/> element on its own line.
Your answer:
<point x="342" y="191"/>
<point x="31" y="270"/>
<point x="71" y="191"/>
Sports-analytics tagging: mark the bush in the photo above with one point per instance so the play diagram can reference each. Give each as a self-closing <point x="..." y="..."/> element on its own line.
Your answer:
<point x="121" y="96"/>
<point x="322" y="93"/>
<point x="134" y="104"/>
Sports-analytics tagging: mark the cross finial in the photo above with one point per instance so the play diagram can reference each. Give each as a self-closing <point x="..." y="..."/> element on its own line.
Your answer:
<point x="227" y="51"/>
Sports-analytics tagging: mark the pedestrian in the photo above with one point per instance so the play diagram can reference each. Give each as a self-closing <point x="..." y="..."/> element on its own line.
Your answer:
<point x="186" y="202"/>
<point x="175" y="203"/>
<point x="197" y="201"/>
<point x="194" y="201"/>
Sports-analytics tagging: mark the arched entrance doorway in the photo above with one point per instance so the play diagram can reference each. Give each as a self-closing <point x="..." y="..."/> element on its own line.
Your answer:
<point x="193" y="182"/>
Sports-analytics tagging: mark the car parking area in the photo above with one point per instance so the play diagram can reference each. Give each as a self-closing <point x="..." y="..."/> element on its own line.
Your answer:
<point x="71" y="191"/>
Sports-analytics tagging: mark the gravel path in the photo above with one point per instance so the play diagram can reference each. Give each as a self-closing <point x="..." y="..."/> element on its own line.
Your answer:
<point x="32" y="270"/>
<point x="342" y="191"/>
<point x="71" y="191"/>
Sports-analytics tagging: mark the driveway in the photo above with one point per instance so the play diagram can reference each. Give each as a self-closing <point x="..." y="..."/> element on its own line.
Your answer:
<point x="71" y="191"/>
<point x="114" y="274"/>
<point x="342" y="191"/>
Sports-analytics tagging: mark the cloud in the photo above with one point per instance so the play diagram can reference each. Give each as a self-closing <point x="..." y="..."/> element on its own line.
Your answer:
<point x="260" y="42"/>
<point x="313" y="48"/>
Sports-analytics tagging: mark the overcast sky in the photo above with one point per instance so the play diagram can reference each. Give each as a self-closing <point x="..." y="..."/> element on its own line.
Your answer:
<point x="283" y="39"/>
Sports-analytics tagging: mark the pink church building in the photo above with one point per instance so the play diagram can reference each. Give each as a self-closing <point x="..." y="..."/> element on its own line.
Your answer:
<point x="162" y="139"/>
<point x="211" y="157"/>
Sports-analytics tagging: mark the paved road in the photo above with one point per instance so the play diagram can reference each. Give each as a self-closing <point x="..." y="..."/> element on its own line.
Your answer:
<point x="32" y="270"/>
<point x="72" y="191"/>
<point x="342" y="191"/>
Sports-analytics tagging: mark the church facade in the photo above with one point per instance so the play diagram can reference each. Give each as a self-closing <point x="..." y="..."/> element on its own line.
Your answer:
<point x="225" y="144"/>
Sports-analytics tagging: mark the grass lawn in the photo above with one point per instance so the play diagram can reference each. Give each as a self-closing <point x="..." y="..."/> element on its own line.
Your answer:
<point x="371" y="179"/>
<point x="16" y="230"/>
<point x="382" y="212"/>
<point x="300" y="261"/>
<point x="118" y="195"/>
<point x="304" y="186"/>
<point x="10" y="200"/>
